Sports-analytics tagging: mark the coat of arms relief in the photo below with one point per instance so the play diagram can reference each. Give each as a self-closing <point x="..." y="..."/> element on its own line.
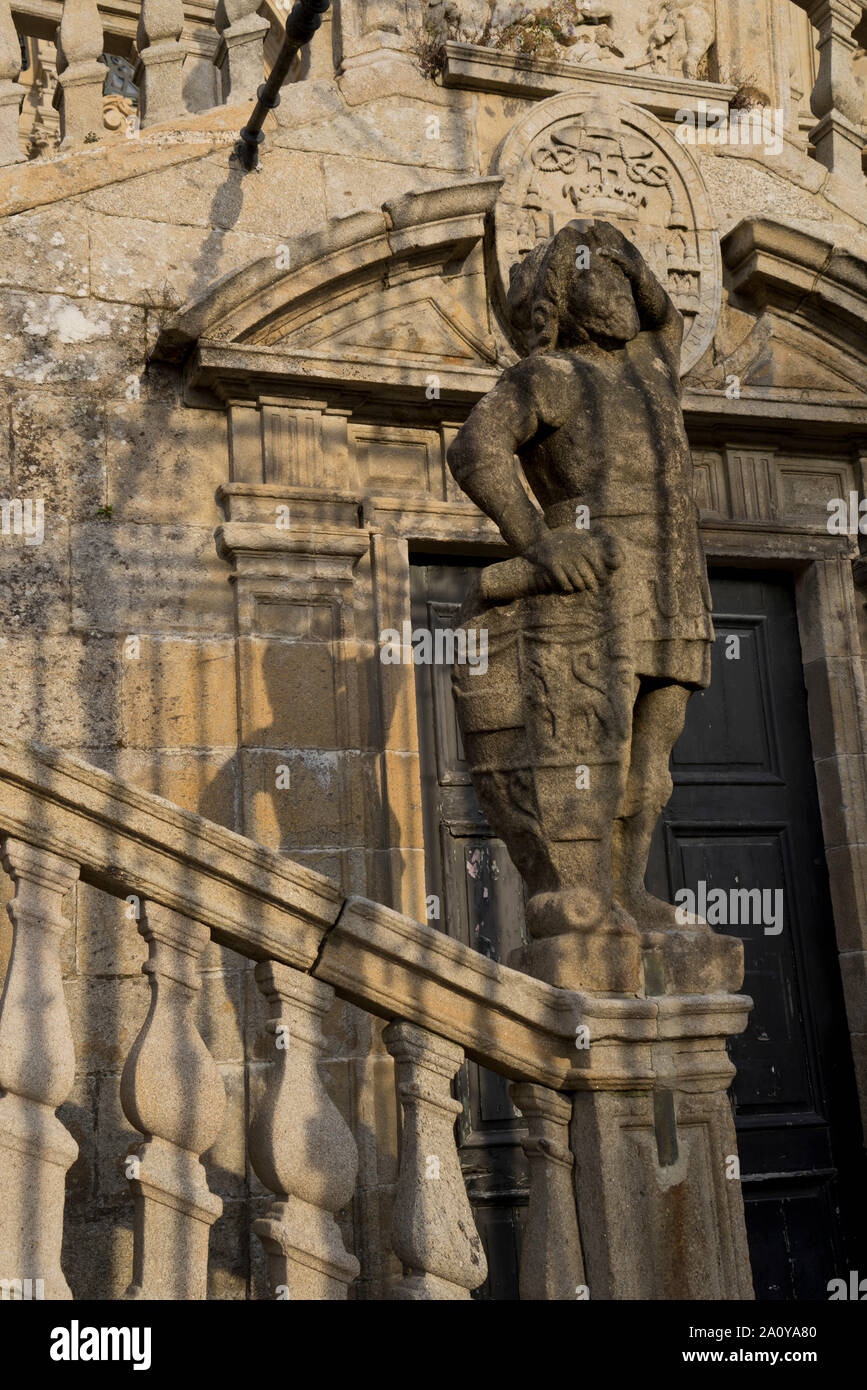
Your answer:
<point x="669" y="37"/>
<point x="577" y="156"/>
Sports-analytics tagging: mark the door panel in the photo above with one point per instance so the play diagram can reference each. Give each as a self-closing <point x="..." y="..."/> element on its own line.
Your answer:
<point x="744" y="814"/>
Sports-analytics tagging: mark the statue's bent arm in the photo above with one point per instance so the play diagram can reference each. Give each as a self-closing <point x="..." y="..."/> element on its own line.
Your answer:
<point x="658" y="313"/>
<point x="482" y="456"/>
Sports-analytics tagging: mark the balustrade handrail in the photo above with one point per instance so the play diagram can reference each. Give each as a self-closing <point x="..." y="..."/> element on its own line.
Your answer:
<point x="259" y="903"/>
<point x="61" y="820"/>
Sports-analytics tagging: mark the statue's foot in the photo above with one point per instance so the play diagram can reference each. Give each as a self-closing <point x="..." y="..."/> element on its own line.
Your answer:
<point x="576" y="910"/>
<point x="652" y="914"/>
<point x="581" y="940"/>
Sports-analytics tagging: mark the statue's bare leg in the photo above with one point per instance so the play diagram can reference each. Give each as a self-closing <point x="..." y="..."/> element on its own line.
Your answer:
<point x="657" y="723"/>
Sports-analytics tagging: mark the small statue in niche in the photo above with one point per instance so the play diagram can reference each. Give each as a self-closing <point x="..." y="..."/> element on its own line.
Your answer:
<point x="599" y="629"/>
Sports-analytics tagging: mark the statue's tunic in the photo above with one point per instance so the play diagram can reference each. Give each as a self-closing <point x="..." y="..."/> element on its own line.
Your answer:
<point x="636" y="482"/>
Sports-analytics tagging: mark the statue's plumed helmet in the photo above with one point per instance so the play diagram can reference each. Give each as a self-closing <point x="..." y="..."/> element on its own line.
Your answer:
<point x="539" y="286"/>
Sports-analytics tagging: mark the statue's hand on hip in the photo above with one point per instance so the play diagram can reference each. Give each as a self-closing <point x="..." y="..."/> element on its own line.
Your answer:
<point x="572" y="560"/>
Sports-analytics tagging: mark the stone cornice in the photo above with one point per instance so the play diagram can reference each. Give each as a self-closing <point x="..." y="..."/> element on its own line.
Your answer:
<point x="235" y="372"/>
<point x="472" y="66"/>
<point x="772" y="264"/>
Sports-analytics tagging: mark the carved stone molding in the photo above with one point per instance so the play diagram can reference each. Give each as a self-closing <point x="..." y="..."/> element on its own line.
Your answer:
<point x="517" y="74"/>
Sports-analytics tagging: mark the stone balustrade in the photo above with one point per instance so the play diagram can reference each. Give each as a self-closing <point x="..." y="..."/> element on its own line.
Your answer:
<point x="180" y="63"/>
<point x="837" y="100"/>
<point x="182" y="66"/>
<point x="62" y="820"/>
<point x="80" y="75"/>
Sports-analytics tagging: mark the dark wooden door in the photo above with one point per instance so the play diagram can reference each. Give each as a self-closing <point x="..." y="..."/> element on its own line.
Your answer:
<point x="744" y="814"/>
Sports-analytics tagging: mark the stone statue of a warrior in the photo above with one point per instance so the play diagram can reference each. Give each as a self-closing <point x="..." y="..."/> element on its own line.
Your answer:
<point x="599" y="629"/>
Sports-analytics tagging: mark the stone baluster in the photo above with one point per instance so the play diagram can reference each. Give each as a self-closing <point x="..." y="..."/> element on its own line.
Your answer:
<point x="80" y="78"/>
<point x="300" y="1146"/>
<point x="37" y="1069"/>
<point x="161" y="58"/>
<point x="11" y="94"/>
<point x="172" y="1092"/>
<point x="433" y="1231"/>
<point x="552" y="1266"/>
<point x="240" y="56"/>
<point x="377" y="31"/>
<point x="837" y="100"/>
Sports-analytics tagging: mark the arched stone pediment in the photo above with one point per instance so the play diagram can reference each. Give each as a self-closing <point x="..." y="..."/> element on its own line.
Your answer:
<point x="394" y="297"/>
<point x="393" y="300"/>
<point x="778" y="354"/>
<point x="810" y="297"/>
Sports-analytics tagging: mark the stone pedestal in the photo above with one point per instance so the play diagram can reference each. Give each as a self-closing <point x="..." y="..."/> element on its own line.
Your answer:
<point x="657" y="1179"/>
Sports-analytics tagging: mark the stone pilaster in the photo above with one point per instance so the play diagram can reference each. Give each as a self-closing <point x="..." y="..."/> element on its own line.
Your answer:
<point x="311" y="778"/>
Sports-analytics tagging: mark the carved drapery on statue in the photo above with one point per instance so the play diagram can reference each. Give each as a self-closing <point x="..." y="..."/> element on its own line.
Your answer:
<point x="558" y="692"/>
<point x="659" y="36"/>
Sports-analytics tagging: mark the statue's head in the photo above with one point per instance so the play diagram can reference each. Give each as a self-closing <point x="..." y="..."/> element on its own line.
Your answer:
<point x="572" y="290"/>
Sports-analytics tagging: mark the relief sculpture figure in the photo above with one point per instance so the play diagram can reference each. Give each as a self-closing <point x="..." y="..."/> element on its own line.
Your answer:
<point x="599" y="627"/>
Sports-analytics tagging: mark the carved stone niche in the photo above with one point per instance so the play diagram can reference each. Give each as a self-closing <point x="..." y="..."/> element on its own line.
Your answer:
<point x="658" y="36"/>
<point x="579" y="155"/>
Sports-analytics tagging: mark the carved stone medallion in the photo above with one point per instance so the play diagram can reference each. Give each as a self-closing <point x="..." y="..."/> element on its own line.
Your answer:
<point x="577" y="155"/>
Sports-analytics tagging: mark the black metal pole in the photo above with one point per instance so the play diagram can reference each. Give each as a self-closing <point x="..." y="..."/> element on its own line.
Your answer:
<point x="301" y="25"/>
